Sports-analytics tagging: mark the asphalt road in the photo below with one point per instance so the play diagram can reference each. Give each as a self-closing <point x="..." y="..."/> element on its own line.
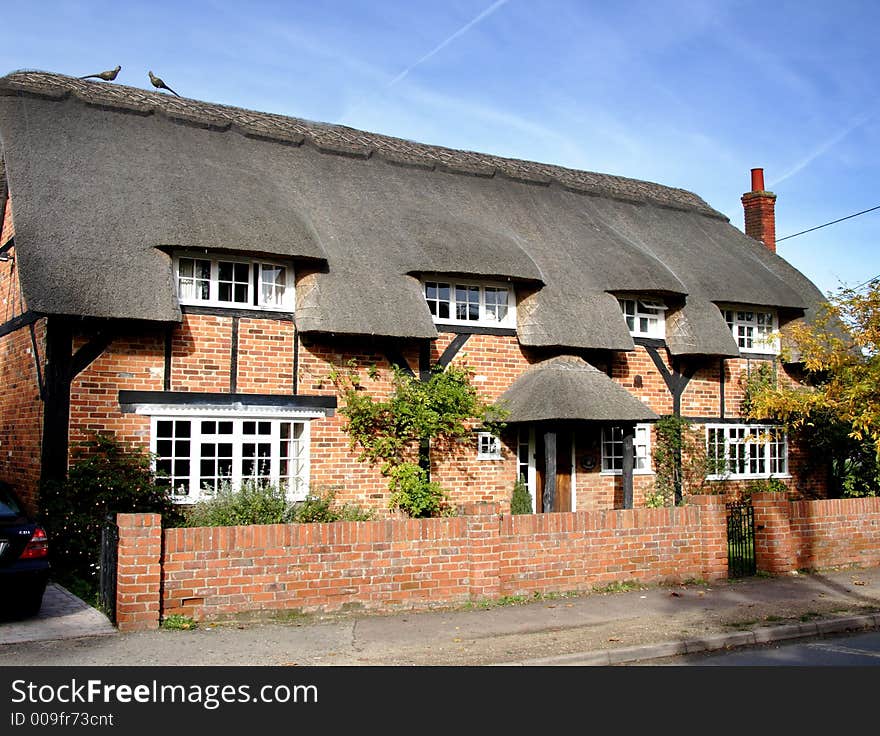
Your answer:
<point x="852" y="650"/>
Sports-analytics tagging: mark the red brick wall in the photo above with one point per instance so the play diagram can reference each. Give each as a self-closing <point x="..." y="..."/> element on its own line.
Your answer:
<point x="626" y="366"/>
<point x="138" y="571"/>
<point x="381" y="565"/>
<point x="563" y="552"/>
<point x="135" y="363"/>
<point x="807" y="535"/>
<point x="201" y="350"/>
<point x="265" y="356"/>
<point x="7" y="229"/>
<point x="201" y="354"/>
<point x="21" y="411"/>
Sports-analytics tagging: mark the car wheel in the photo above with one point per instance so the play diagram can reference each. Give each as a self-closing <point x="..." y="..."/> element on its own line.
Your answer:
<point x="31" y="605"/>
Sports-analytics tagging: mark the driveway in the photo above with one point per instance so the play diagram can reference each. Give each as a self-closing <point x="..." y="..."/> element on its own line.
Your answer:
<point x="63" y="616"/>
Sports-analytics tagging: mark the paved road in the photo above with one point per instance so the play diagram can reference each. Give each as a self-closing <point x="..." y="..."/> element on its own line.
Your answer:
<point x="853" y="650"/>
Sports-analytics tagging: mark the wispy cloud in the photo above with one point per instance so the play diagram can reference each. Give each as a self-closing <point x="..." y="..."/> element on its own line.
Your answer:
<point x="443" y="44"/>
<point x="821" y="149"/>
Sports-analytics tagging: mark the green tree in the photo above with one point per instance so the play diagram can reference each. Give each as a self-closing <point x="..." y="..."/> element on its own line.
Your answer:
<point x="389" y="433"/>
<point x="836" y="407"/>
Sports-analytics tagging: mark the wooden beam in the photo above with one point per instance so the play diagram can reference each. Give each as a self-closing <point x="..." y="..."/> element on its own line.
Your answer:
<point x="425" y="360"/>
<point x="88" y="353"/>
<point x="56" y="407"/>
<point x="169" y="350"/>
<point x="233" y="357"/>
<point x="629" y="433"/>
<point x="549" y="470"/>
<point x="453" y="348"/>
<point x="395" y="358"/>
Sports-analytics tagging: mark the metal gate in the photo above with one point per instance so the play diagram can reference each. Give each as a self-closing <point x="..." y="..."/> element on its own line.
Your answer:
<point x="109" y="548"/>
<point x="740" y="540"/>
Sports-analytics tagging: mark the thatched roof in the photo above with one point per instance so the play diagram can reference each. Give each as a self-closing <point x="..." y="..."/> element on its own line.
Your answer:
<point x="569" y="388"/>
<point x="105" y="178"/>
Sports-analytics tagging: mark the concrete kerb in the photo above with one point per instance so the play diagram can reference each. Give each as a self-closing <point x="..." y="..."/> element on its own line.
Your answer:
<point x="662" y="650"/>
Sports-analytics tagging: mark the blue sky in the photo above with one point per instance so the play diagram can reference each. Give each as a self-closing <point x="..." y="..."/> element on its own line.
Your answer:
<point x="687" y="93"/>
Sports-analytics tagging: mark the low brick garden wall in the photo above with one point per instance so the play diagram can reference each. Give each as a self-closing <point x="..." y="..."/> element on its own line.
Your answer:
<point x="212" y="573"/>
<point x="810" y="535"/>
<point x="219" y="572"/>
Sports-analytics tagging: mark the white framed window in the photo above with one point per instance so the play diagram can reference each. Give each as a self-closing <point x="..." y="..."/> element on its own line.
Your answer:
<point x="196" y="455"/>
<point x="473" y="303"/>
<point x="746" y="451"/>
<point x="753" y="329"/>
<point x="612" y="449"/>
<point x="525" y="461"/>
<point x="645" y="317"/>
<point x="234" y="282"/>
<point x="488" y="446"/>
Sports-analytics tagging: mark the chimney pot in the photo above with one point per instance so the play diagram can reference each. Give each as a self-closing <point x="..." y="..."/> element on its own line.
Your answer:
<point x="757" y="180"/>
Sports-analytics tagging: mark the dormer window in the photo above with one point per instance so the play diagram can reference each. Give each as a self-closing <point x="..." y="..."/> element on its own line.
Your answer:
<point x="645" y="317"/>
<point x="234" y="282"/>
<point x="753" y="329"/>
<point x="475" y="303"/>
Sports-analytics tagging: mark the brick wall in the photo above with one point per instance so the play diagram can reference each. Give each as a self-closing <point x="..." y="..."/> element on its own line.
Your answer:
<point x="416" y="563"/>
<point x="201" y="361"/>
<point x="21" y="406"/>
<point x="806" y="535"/>
<point x="21" y="410"/>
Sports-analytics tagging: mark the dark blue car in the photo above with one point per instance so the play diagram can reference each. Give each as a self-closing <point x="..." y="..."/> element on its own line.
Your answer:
<point x="24" y="558"/>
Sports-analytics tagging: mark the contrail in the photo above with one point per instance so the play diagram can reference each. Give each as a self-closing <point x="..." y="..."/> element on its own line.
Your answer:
<point x="813" y="155"/>
<point x="461" y="31"/>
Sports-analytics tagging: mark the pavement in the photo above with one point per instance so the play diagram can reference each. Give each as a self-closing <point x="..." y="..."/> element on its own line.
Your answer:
<point x="611" y="626"/>
<point x="62" y="616"/>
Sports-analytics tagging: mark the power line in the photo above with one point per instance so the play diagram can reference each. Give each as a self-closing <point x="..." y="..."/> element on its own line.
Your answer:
<point x="819" y="227"/>
<point x="865" y="283"/>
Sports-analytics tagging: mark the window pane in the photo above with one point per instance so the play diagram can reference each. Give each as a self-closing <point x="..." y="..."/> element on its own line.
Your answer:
<point x="233" y="282"/>
<point x="496" y="303"/>
<point x="273" y="285"/>
<point x="437" y="296"/>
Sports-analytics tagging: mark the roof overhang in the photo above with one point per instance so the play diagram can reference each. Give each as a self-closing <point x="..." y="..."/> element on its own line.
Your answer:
<point x="569" y="388"/>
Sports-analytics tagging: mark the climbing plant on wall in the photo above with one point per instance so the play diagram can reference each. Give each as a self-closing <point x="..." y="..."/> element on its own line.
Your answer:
<point x="388" y="432"/>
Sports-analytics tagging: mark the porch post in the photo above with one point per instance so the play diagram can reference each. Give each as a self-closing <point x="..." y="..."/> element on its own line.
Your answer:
<point x="549" y="470"/>
<point x="629" y="433"/>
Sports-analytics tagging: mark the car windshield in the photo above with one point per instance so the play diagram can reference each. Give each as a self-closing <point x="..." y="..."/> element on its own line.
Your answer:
<point x="8" y="505"/>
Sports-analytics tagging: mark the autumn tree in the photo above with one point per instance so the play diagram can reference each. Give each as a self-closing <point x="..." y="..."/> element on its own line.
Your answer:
<point x="836" y="409"/>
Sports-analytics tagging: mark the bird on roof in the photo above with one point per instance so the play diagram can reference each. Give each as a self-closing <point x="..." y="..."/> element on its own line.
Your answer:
<point x="107" y="76"/>
<point x="159" y="84"/>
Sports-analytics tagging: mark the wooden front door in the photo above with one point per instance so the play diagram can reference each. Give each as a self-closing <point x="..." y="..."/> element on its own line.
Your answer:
<point x="563" y="453"/>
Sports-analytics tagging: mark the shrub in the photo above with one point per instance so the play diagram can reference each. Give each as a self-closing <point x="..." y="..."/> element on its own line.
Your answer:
<point x="253" y="503"/>
<point x="107" y="478"/>
<point x="766" y="485"/>
<point x="521" y="501"/>
<point x="261" y="503"/>
<point x="321" y="508"/>
<point x="414" y="494"/>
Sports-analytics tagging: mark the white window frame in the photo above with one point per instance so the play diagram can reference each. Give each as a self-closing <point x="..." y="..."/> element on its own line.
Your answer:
<point x="193" y="491"/>
<point x="488" y="446"/>
<point x="752" y="448"/>
<point x="484" y="320"/>
<point x="645" y="308"/>
<point x="745" y="324"/>
<point x="641" y="450"/>
<point x="255" y="282"/>
<point x="525" y="461"/>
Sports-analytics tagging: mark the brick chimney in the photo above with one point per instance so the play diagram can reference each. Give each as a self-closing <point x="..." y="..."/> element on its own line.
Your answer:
<point x="759" y="206"/>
